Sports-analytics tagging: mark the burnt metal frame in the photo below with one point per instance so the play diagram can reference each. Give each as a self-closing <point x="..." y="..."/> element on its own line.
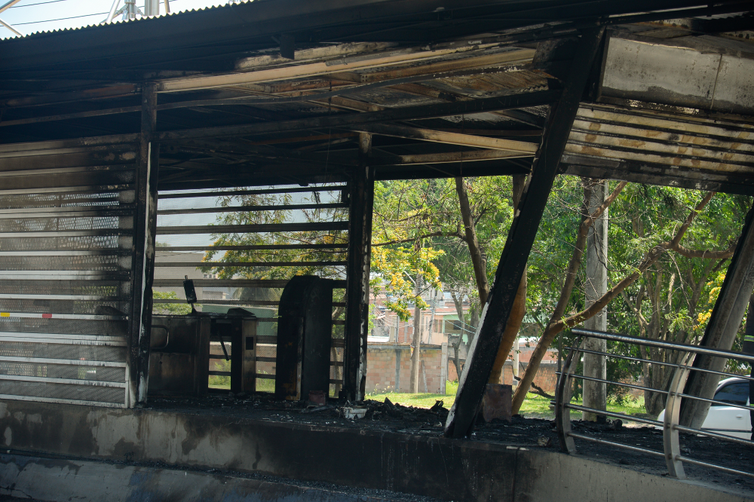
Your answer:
<point x="515" y="254"/>
<point x="357" y="285"/>
<point x="517" y="249"/>
<point x="142" y="269"/>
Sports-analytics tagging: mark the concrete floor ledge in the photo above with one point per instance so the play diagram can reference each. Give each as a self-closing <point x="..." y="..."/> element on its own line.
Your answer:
<point x="184" y="443"/>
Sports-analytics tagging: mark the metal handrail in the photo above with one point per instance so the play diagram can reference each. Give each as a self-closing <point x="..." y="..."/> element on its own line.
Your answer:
<point x="618" y="445"/>
<point x="675" y="396"/>
<point x="659" y="363"/>
<point x="629" y="385"/>
<point x="714" y="466"/>
<point x="709" y="433"/>
<point x="660" y="391"/>
<point x="664" y="345"/>
<point x="614" y="414"/>
<point x="621" y="356"/>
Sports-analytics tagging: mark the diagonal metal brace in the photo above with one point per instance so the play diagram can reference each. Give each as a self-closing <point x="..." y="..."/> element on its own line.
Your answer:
<point x="520" y="240"/>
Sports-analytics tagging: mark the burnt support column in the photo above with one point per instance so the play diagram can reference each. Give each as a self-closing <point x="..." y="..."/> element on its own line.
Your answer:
<point x="142" y="265"/>
<point x="512" y="263"/>
<point x="357" y="282"/>
<point x="726" y="318"/>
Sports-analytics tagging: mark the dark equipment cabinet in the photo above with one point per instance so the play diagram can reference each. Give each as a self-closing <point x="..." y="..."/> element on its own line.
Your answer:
<point x="303" y="340"/>
<point x="178" y="360"/>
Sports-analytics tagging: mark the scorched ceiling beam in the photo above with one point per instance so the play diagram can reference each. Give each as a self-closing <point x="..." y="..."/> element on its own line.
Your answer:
<point x="522" y="100"/>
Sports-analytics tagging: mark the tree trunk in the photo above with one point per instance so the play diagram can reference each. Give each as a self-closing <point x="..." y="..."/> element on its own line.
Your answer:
<point x="477" y="258"/>
<point x="595" y="393"/>
<point x="458" y="302"/>
<point x="416" y="355"/>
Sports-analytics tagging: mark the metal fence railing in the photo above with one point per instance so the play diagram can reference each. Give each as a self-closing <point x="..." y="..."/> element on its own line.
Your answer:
<point x="680" y="366"/>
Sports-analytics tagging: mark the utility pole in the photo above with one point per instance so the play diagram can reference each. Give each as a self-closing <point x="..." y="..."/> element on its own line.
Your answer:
<point x="595" y="393"/>
<point x="417" y="342"/>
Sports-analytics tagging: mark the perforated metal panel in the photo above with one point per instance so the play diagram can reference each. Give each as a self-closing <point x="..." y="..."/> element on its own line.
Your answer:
<point x="66" y="237"/>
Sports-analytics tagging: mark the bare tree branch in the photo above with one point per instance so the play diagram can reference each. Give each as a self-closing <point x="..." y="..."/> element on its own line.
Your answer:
<point x="477" y="260"/>
<point x="417" y="238"/>
<point x="705" y="253"/>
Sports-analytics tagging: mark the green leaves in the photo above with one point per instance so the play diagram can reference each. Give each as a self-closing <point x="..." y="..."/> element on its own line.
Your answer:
<point x="300" y="252"/>
<point x="404" y="273"/>
<point x="418" y="223"/>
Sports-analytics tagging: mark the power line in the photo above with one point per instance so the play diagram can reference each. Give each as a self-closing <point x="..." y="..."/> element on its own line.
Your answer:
<point x="62" y="19"/>
<point x="38" y="3"/>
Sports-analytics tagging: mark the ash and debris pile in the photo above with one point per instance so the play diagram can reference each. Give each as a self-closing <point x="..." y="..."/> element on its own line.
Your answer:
<point x="368" y="414"/>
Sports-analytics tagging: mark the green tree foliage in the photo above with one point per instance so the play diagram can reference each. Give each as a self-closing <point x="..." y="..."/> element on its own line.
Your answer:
<point x="177" y="308"/>
<point x="552" y="251"/>
<point x="424" y="215"/>
<point x="672" y="300"/>
<point x="400" y="251"/>
<point x="275" y="247"/>
<point x="419" y="232"/>
<point x="399" y="270"/>
<point x="666" y="300"/>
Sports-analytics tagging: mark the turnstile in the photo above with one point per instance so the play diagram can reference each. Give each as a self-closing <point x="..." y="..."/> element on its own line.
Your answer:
<point x="182" y="349"/>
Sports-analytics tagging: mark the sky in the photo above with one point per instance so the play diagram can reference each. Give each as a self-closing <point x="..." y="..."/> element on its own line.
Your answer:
<point x="32" y="16"/>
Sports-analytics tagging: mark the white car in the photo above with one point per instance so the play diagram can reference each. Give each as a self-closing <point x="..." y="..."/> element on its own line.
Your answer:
<point x="728" y="420"/>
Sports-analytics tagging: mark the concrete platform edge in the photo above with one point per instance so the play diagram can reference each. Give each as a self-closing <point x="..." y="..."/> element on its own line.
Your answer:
<point x="425" y="465"/>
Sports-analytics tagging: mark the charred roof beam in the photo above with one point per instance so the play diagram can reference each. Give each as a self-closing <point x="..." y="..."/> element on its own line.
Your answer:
<point x="522" y="100"/>
<point x="512" y="147"/>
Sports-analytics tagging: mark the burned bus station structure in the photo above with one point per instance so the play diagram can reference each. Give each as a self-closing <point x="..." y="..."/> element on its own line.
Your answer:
<point x="112" y="136"/>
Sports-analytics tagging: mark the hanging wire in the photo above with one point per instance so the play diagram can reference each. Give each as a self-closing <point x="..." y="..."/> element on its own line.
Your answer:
<point x="61" y="19"/>
<point x="38" y="3"/>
